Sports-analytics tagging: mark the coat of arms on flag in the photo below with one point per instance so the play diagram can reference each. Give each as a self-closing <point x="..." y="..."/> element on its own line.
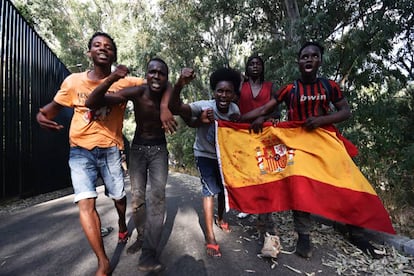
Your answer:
<point x="289" y="168"/>
<point x="274" y="156"/>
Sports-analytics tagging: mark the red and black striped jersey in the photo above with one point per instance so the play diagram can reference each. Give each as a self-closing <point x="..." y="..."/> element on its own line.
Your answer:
<point x="308" y="100"/>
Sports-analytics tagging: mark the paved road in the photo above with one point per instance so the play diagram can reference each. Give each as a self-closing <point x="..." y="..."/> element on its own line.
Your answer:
<point x="46" y="239"/>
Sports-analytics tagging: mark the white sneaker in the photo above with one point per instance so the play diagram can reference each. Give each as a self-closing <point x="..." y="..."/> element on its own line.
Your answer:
<point x="242" y="215"/>
<point x="271" y="246"/>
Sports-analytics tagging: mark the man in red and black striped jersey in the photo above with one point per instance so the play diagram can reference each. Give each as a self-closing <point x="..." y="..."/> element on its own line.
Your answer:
<point x="309" y="100"/>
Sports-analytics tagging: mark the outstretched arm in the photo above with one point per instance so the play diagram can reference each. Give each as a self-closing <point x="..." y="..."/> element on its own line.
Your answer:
<point x="343" y="113"/>
<point x="99" y="98"/>
<point x="47" y="113"/>
<point x="175" y="104"/>
<point x="273" y="116"/>
<point x="261" y="111"/>
<point x="206" y="117"/>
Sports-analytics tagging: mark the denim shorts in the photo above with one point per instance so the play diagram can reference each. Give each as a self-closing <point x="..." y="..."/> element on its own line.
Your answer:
<point x="87" y="165"/>
<point x="210" y="176"/>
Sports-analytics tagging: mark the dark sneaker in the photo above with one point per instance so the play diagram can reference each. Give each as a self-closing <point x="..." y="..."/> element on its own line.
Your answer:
<point x="150" y="265"/>
<point x="365" y="246"/>
<point x="135" y="247"/>
<point x="303" y="246"/>
<point x="105" y="231"/>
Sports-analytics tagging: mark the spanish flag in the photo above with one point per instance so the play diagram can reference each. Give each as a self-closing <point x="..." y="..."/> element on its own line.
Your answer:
<point x="289" y="168"/>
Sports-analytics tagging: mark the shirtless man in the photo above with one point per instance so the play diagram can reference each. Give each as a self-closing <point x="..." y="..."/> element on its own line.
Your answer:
<point x="148" y="153"/>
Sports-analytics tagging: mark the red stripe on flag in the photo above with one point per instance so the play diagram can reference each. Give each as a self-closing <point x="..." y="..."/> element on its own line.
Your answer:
<point x="305" y="194"/>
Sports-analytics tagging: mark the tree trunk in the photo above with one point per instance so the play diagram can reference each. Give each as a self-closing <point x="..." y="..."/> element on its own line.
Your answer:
<point x="293" y="14"/>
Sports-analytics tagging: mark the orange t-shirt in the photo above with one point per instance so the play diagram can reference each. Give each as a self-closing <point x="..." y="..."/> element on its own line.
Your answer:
<point x="93" y="128"/>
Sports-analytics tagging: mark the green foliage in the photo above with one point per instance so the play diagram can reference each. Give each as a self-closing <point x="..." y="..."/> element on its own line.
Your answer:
<point x="68" y="25"/>
<point x="180" y="146"/>
<point x="381" y="118"/>
<point x="369" y="52"/>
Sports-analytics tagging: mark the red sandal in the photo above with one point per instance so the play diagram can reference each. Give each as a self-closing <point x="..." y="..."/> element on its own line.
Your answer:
<point x="214" y="249"/>
<point x="123" y="237"/>
<point x="224" y="226"/>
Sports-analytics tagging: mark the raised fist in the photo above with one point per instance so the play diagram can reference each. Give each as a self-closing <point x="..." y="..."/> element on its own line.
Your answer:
<point x="187" y="75"/>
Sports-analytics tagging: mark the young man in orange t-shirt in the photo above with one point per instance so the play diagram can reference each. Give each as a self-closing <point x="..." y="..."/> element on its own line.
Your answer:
<point x="95" y="142"/>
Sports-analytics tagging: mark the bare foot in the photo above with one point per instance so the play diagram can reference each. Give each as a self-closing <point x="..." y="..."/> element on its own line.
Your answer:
<point x="104" y="268"/>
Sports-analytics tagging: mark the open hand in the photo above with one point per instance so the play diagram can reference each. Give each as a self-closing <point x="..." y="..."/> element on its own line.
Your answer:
<point x="45" y="123"/>
<point x="169" y="124"/>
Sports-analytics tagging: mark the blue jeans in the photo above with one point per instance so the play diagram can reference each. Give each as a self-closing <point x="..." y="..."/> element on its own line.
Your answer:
<point x="148" y="165"/>
<point x="85" y="166"/>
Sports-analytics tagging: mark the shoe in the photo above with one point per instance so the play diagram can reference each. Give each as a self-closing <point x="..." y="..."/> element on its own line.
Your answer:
<point x="271" y="246"/>
<point x="135" y="247"/>
<point x="105" y="231"/>
<point x="150" y="265"/>
<point x="242" y="215"/>
<point x="303" y="246"/>
<point x="365" y="246"/>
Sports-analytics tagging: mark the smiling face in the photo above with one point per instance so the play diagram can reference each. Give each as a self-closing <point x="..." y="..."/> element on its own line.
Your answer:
<point x="309" y="61"/>
<point x="224" y="95"/>
<point x="157" y="76"/>
<point x="102" y="51"/>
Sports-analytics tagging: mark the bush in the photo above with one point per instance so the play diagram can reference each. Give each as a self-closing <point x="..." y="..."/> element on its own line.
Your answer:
<point x="381" y="127"/>
<point x="180" y="146"/>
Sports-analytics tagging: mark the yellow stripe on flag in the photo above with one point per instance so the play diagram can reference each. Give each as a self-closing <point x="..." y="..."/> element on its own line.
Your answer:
<point x="289" y="168"/>
<point x="253" y="159"/>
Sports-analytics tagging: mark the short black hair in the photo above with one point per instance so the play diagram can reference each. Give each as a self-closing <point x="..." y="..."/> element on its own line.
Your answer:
<point x="225" y="74"/>
<point x="107" y="36"/>
<point x="263" y="66"/>
<point x="159" y="60"/>
<point x="311" y="43"/>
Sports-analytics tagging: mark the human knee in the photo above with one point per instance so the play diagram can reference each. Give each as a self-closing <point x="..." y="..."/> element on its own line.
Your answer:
<point x="86" y="205"/>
